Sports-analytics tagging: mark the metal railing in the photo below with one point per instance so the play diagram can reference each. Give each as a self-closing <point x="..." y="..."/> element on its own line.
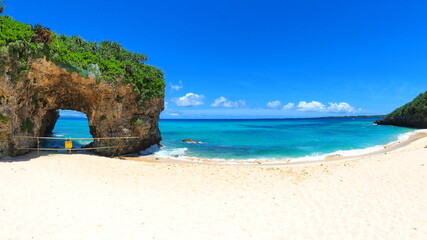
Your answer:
<point x="118" y="147"/>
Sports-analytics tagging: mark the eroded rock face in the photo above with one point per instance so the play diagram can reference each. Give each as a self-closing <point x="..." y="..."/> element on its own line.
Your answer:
<point x="29" y="108"/>
<point x="404" y="121"/>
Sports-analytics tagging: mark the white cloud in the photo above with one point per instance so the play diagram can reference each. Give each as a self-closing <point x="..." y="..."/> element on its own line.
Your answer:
<point x="223" y="102"/>
<point x="288" y="106"/>
<point x="189" y="100"/>
<point x="174" y="114"/>
<point x="274" y="104"/>
<point x="315" y="106"/>
<point x="341" y="107"/>
<point x="176" y="87"/>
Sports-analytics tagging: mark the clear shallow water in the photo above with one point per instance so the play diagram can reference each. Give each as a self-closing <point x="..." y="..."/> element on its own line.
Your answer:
<point x="287" y="138"/>
<point x="249" y="139"/>
<point x="69" y="127"/>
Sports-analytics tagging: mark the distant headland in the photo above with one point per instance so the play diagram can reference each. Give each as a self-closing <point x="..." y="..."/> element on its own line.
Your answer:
<point x="412" y="114"/>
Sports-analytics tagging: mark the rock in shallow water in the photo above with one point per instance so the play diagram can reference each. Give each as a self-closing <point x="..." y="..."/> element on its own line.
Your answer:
<point x="191" y="141"/>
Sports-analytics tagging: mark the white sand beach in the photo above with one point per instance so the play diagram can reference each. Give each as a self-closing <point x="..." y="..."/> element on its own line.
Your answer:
<point x="60" y="196"/>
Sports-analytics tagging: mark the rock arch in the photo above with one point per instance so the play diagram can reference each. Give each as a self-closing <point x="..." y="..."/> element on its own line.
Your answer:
<point x="29" y="107"/>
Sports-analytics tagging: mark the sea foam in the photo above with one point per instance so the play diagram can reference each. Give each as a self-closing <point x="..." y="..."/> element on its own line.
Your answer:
<point x="182" y="153"/>
<point x="165" y="152"/>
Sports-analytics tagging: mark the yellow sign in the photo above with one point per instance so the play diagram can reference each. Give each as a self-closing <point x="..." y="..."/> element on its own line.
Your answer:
<point x="68" y="144"/>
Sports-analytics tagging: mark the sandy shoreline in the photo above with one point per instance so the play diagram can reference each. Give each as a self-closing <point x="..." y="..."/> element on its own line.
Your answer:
<point x="379" y="149"/>
<point x="60" y="196"/>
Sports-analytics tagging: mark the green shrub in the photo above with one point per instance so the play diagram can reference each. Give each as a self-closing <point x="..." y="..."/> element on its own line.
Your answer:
<point x="27" y="126"/>
<point x="103" y="117"/>
<point x="137" y="121"/>
<point x="12" y="31"/>
<point x="4" y="119"/>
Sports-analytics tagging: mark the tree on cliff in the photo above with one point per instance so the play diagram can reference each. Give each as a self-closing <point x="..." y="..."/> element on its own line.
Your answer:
<point x="1" y="7"/>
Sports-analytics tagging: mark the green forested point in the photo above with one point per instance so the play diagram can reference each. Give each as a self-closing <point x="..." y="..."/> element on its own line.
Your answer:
<point x="417" y="106"/>
<point x="106" y="60"/>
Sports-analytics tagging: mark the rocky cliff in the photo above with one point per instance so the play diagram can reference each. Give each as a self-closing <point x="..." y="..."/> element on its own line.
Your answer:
<point x="29" y="108"/>
<point x="413" y="114"/>
<point x="41" y="72"/>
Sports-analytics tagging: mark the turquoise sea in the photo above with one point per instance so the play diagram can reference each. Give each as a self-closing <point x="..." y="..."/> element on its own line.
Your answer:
<point x="69" y="127"/>
<point x="258" y="139"/>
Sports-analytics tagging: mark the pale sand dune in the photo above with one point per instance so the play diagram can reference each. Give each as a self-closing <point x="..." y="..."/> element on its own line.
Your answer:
<point x="87" y="197"/>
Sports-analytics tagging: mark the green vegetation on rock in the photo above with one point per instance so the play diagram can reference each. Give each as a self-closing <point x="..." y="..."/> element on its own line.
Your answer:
<point x="137" y="121"/>
<point x="418" y="107"/>
<point x="412" y="114"/>
<point x="107" y="61"/>
<point x="27" y="126"/>
<point x="4" y="119"/>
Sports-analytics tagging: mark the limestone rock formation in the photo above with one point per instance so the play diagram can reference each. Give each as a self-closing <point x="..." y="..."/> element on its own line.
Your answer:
<point x="413" y="114"/>
<point x="28" y="107"/>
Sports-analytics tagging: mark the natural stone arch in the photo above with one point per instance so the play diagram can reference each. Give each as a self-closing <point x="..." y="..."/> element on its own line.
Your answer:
<point x="29" y="107"/>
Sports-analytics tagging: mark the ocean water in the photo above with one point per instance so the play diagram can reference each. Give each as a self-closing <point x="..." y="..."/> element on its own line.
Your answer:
<point x="274" y="139"/>
<point x="256" y="139"/>
<point x="69" y="127"/>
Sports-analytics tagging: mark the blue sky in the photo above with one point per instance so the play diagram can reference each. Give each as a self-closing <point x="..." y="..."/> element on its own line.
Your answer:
<point x="255" y="59"/>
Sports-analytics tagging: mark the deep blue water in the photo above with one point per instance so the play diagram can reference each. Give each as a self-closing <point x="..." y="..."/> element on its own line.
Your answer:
<point x="244" y="139"/>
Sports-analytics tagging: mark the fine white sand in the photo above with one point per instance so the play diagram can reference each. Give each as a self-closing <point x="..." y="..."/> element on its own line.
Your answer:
<point x="60" y="196"/>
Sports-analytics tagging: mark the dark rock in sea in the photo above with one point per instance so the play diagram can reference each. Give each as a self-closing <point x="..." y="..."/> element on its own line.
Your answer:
<point x="191" y="141"/>
<point x="413" y="114"/>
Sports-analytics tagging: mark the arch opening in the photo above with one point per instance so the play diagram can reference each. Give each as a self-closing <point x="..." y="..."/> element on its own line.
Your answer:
<point x="67" y="124"/>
